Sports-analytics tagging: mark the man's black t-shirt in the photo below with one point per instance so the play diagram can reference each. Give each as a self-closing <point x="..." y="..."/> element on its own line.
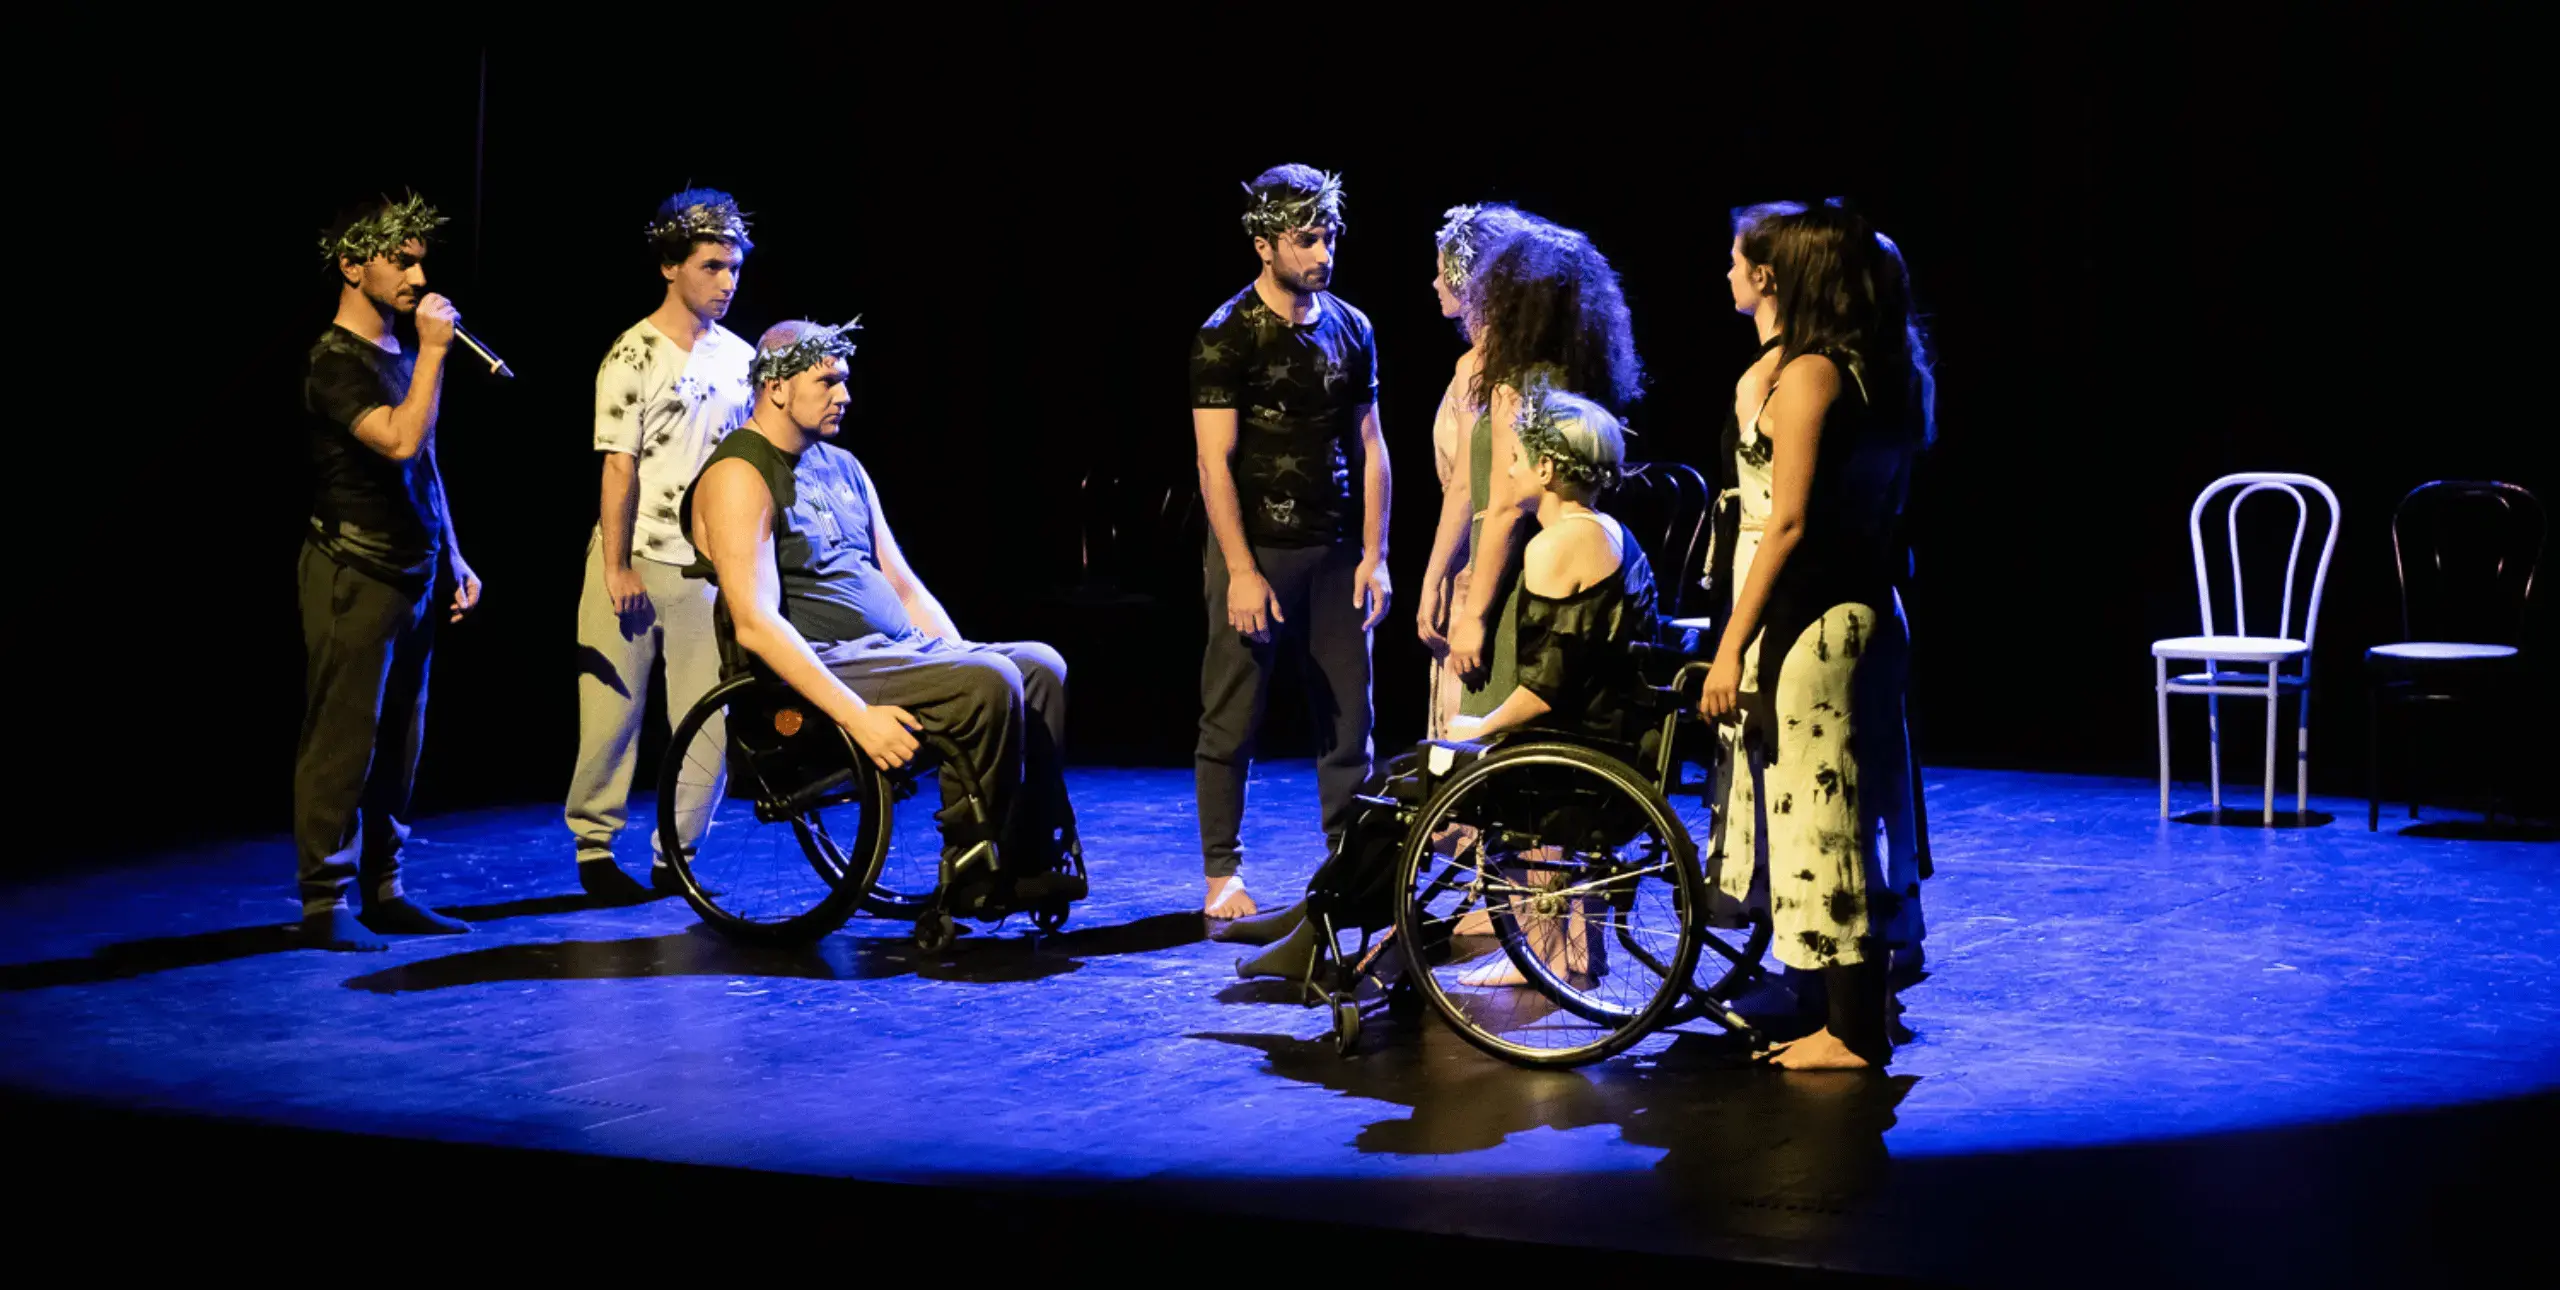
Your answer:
<point x="1297" y="392"/>
<point x="368" y="511"/>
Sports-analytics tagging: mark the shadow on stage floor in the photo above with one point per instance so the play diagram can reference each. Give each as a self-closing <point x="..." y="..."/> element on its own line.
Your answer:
<point x="126" y="960"/>
<point x="696" y="951"/>
<point x="699" y="951"/>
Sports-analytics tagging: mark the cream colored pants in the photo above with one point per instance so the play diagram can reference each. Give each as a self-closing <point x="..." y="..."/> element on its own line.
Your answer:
<point x="614" y="659"/>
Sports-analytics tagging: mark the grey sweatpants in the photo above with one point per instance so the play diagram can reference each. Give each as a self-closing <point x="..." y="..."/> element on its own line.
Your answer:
<point x="1321" y="628"/>
<point x="366" y="646"/>
<point x="614" y="658"/>
<point x="1003" y="705"/>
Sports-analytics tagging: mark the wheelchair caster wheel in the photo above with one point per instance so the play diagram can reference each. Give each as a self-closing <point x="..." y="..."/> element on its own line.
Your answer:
<point x="1051" y="915"/>
<point x="935" y="932"/>
<point x="1346" y="1027"/>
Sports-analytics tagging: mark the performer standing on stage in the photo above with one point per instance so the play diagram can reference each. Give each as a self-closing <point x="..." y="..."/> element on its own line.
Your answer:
<point x="815" y="588"/>
<point x="1811" y="662"/>
<point x="1461" y="244"/>
<point x="1589" y="597"/>
<point x="380" y="540"/>
<point x="1284" y="399"/>
<point x="1889" y="799"/>
<point x="1544" y="306"/>
<point x="670" y="388"/>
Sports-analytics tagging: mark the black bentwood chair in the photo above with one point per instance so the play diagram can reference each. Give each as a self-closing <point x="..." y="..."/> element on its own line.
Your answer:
<point x="1664" y="505"/>
<point x="2466" y="552"/>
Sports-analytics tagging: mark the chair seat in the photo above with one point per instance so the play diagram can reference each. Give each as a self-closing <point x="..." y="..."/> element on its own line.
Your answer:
<point x="2237" y="649"/>
<point x="2438" y="652"/>
<point x="2253" y="680"/>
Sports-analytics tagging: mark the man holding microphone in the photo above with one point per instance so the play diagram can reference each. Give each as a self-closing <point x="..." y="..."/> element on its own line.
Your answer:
<point x="380" y="542"/>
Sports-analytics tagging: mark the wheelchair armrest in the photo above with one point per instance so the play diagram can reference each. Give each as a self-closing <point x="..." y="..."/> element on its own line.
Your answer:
<point x="1690" y="681"/>
<point x="1445" y="755"/>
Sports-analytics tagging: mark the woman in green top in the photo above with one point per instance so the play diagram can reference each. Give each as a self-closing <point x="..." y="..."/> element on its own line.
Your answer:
<point x="1543" y="306"/>
<point x="1461" y="456"/>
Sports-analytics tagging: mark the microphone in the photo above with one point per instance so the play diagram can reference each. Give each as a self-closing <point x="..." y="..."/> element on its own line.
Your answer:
<point x="497" y="366"/>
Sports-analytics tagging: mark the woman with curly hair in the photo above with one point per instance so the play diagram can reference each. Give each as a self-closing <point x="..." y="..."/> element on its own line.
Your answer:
<point x="1543" y="307"/>
<point x="1462" y="244"/>
<point x="1546" y="312"/>
<point x="1808" y="669"/>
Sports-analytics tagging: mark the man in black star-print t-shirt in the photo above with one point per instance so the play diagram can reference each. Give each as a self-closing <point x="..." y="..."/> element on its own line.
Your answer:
<point x="1298" y="393"/>
<point x="1284" y="394"/>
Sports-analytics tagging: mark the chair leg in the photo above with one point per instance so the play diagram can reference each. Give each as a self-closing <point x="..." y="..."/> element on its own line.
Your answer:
<point x="2499" y="761"/>
<point x="2413" y="766"/>
<point x="2373" y="760"/>
<point x="2302" y="750"/>
<point x="2267" y="812"/>
<point x="2160" y="689"/>
<point x="2213" y="742"/>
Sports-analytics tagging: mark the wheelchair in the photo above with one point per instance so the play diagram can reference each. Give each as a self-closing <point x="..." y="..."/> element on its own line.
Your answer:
<point x="804" y="831"/>
<point x="1583" y="881"/>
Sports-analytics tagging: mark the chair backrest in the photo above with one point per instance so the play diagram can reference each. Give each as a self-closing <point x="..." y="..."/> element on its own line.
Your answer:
<point x="2241" y="488"/>
<point x="1664" y="505"/>
<point x="1687" y="542"/>
<point x="1098" y="526"/>
<point x="2466" y="552"/>
<point x="1136" y="534"/>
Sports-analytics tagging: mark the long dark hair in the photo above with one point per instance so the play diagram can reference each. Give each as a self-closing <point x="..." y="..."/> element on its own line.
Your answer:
<point x="1546" y="297"/>
<point x="1842" y="284"/>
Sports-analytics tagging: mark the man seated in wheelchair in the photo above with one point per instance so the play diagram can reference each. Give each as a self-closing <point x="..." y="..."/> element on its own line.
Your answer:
<point x="1587" y="604"/>
<point x="815" y="593"/>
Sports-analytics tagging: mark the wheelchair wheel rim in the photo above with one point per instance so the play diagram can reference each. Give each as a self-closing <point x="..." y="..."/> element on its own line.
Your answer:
<point x="749" y="869"/>
<point x="1553" y="909"/>
<point x="910" y="874"/>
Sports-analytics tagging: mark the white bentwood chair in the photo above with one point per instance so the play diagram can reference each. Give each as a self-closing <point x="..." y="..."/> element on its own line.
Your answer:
<point x="2272" y="653"/>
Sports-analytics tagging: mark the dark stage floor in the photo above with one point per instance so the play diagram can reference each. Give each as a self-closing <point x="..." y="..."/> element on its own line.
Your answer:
<point x="2148" y="1052"/>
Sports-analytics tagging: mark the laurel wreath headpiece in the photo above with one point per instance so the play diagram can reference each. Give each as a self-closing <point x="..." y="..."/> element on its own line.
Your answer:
<point x="721" y="219"/>
<point x="1276" y="212"/>
<point x="807" y="352"/>
<point x="383" y="232"/>
<point x="1542" y="437"/>
<point x="1457" y="242"/>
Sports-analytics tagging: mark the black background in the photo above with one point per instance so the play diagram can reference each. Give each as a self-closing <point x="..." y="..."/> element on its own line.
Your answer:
<point x="2156" y="248"/>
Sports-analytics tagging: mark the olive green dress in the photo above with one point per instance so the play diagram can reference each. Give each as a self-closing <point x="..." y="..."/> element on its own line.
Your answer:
<point x="1502" y="629"/>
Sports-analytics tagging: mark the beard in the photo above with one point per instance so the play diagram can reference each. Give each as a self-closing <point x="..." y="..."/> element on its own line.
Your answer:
<point x="1306" y="283"/>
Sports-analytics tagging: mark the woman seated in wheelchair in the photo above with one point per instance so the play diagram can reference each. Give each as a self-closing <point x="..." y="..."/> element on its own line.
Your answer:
<point x="1587" y="599"/>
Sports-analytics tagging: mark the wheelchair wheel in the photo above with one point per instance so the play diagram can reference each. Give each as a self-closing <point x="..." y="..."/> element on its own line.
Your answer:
<point x="1732" y="940"/>
<point x="911" y="867"/>
<point x="1576" y="857"/>
<point x="787" y="821"/>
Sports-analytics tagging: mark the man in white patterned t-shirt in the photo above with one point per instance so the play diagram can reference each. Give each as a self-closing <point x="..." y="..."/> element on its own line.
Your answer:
<point x="670" y="389"/>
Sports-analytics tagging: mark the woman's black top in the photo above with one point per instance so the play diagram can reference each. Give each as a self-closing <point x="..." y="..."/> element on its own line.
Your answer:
<point x="1852" y="549"/>
<point x="1577" y="652"/>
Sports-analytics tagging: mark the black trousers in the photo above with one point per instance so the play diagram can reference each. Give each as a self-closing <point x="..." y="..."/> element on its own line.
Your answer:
<point x="366" y="648"/>
<point x="1321" y="629"/>
<point x="1004" y="705"/>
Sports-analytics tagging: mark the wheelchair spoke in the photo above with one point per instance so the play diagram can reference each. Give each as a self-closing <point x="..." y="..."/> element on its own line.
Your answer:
<point x="743" y="807"/>
<point x="824" y="859"/>
<point x="1613" y="871"/>
<point x="911" y="872"/>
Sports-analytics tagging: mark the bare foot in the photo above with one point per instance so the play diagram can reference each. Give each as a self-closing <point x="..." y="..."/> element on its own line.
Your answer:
<point x="1497" y="971"/>
<point x="1818" y="1051"/>
<point x="1229" y="899"/>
